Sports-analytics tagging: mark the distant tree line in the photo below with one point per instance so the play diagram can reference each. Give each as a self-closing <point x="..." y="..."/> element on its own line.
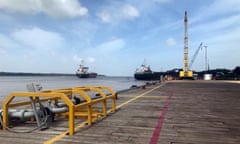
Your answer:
<point x="33" y="74"/>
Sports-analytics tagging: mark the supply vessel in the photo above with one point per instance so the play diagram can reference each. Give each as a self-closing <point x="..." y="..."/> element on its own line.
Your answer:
<point x="145" y="73"/>
<point x="82" y="72"/>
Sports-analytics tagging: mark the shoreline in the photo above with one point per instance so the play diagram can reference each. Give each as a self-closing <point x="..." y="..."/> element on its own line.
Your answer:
<point x="33" y="74"/>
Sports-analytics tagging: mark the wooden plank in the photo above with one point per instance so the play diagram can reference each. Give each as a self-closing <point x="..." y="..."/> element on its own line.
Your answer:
<point x="200" y="112"/>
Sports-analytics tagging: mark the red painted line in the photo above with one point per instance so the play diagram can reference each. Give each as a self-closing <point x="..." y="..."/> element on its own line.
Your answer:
<point x="157" y="131"/>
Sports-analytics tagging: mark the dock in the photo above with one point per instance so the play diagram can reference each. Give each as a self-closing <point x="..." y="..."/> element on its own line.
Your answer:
<point x="173" y="112"/>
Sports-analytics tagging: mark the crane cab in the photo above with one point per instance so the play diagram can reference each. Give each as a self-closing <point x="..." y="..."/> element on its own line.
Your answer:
<point x="186" y="75"/>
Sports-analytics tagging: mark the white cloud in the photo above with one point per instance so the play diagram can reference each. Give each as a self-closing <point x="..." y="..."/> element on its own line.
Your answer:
<point x="7" y="43"/>
<point x="23" y="6"/>
<point x="53" y="8"/>
<point x="223" y="6"/>
<point x="171" y="42"/>
<point x="111" y="46"/>
<point x="106" y="52"/>
<point x="219" y="24"/>
<point x="63" y="8"/>
<point x="228" y="40"/>
<point x="90" y="59"/>
<point x="77" y="59"/>
<point x="223" y="44"/>
<point x="2" y="51"/>
<point x="105" y="16"/>
<point x="106" y="56"/>
<point x="32" y="50"/>
<point x="161" y="1"/>
<point x="114" y="13"/>
<point x="129" y="11"/>
<point x="217" y="8"/>
<point x="37" y="38"/>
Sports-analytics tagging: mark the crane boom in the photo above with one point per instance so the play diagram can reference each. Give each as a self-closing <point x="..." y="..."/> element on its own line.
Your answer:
<point x="185" y="68"/>
<point x="186" y="73"/>
<point x="195" y="55"/>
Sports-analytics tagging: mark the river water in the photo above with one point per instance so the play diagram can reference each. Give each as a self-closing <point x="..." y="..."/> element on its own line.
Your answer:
<point x="9" y="84"/>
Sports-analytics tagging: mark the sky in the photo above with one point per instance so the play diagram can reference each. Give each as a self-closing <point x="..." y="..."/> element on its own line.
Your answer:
<point x="114" y="37"/>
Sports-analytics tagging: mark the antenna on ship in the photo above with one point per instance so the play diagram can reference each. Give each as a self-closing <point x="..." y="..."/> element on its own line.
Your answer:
<point x="82" y="62"/>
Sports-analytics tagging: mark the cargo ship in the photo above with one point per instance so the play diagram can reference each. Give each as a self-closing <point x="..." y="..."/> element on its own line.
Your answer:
<point x="82" y="72"/>
<point x="145" y="73"/>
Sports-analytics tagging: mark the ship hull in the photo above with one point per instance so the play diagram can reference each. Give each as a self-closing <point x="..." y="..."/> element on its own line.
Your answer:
<point x="148" y="76"/>
<point x="87" y="75"/>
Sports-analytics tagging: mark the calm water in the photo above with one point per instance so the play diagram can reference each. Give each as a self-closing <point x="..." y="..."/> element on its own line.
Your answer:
<point x="10" y="84"/>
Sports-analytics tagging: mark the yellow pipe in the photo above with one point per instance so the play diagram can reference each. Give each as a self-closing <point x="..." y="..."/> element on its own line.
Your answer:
<point x="32" y="94"/>
<point x="71" y="120"/>
<point x="65" y="94"/>
<point x="89" y="115"/>
<point x="113" y="103"/>
<point x="16" y="104"/>
<point x="104" y="107"/>
<point x="82" y="93"/>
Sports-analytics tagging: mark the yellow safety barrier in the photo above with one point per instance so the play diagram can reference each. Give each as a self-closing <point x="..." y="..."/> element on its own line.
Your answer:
<point x="84" y="109"/>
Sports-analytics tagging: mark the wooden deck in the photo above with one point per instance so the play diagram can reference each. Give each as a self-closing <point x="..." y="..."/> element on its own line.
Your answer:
<point x="177" y="112"/>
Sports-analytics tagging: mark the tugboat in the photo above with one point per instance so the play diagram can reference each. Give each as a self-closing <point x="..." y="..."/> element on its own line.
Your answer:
<point x="145" y="73"/>
<point x="82" y="72"/>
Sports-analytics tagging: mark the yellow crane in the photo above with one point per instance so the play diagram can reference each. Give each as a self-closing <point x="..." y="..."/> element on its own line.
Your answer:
<point x="186" y="73"/>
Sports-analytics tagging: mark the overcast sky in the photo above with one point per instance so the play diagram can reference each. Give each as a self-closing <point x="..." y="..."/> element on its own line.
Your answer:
<point x="113" y="37"/>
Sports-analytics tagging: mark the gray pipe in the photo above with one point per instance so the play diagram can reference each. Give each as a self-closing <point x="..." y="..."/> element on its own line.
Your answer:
<point x="25" y="114"/>
<point x="59" y="110"/>
<point x="20" y="114"/>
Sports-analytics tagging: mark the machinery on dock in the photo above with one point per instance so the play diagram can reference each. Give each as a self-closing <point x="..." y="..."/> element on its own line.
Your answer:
<point x="186" y="73"/>
<point x="44" y="106"/>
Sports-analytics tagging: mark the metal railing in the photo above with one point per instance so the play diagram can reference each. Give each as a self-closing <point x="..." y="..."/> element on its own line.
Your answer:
<point x="75" y="102"/>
